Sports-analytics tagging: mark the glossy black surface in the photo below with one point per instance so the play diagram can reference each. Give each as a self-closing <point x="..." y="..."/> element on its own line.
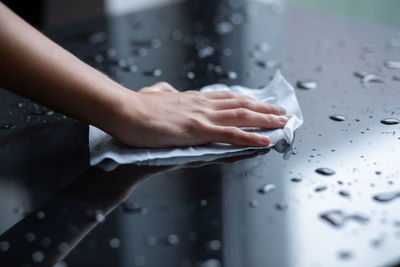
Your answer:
<point x="53" y="206"/>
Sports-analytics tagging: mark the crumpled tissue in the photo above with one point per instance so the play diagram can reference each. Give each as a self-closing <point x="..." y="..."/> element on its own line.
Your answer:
<point x="108" y="153"/>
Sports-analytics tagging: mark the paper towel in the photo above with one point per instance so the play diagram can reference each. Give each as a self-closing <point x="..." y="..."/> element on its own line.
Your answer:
<point x="108" y="152"/>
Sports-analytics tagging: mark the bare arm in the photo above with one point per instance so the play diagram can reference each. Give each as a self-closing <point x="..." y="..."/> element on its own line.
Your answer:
<point x="158" y="116"/>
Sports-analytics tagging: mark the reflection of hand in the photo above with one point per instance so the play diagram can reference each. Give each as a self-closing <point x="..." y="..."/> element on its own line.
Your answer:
<point x="160" y="116"/>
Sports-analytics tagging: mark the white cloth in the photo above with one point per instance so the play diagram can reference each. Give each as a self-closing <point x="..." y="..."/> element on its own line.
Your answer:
<point x="108" y="152"/>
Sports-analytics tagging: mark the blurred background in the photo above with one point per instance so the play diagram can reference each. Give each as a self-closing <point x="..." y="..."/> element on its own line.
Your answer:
<point x="49" y="13"/>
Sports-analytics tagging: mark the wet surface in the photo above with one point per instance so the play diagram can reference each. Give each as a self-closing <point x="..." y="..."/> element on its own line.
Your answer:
<point x="261" y="210"/>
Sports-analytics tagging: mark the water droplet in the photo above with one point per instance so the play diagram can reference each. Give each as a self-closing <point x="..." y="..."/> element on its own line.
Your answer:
<point x="375" y="243"/>
<point x="130" y="207"/>
<point x="232" y="75"/>
<point x="368" y="77"/>
<point x="224" y="27"/>
<point x="345" y="254"/>
<point x="98" y="58"/>
<point x="237" y="18"/>
<point x="97" y="37"/>
<point x="154" y="72"/>
<point x="396" y="78"/>
<point x="122" y="63"/>
<point x="111" y="53"/>
<point x="173" y="240"/>
<point x="218" y="69"/>
<point x="151" y="241"/>
<point x="203" y="202"/>
<point x="206" y="52"/>
<point x="6" y="126"/>
<point x="320" y="188"/>
<point x="227" y="52"/>
<point x="392" y="64"/>
<point x="30" y="237"/>
<point x="344" y="193"/>
<point x="337" y="117"/>
<point x="387" y="196"/>
<point x="141" y="52"/>
<point x="140" y="260"/>
<point x="296" y="180"/>
<point x="281" y="206"/>
<point x="268" y="64"/>
<point x="4" y="246"/>
<point x="253" y="203"/>
<point x="307" y="85"/>
<point x="177" y="35"/>
<point x="190" y="75"/>
<point x="39" y="112"/>
<point x="38" y="256"/>
<point x="263" y="47"/>
<point x="114" y="243"/>
<point x="214" y="245"/>
<point x="99" y="216"/>
<point x="267" y="188"/>
<point x="132" y="68"/>
<point x="337" y="218"/>
<point x="40" y="215"/>
<point x="156" y="43"/>
<point x="390" y="121"/>
<point x="325" y="171"/>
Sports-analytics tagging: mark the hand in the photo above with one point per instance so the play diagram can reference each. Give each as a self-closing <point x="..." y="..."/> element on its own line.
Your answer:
<point x="160" y="116"/>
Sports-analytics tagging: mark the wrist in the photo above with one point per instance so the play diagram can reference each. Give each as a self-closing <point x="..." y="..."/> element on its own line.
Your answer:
<point x="117" y="111"/>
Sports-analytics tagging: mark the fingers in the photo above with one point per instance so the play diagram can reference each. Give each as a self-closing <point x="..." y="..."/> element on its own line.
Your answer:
<point x="228" y="100"/>
<point x="237" y="137"/>
<point x="250" y="104"/>
<point x="220" y="95"/>
<point x="242" y="117"/>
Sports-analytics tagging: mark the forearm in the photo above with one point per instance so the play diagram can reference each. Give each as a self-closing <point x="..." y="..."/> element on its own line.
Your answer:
<point x="37" y="68"/>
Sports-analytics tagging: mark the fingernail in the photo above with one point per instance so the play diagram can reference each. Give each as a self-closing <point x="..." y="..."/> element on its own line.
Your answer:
<point x="283" y="119"/>
<point x="281" y="110"/>
<point x="264" y="140"/>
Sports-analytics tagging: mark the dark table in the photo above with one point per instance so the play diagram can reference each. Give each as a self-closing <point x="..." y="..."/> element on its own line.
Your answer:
<point x="56" y="209"/>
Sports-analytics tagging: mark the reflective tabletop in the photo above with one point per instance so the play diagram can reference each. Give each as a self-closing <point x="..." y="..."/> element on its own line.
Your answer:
<point x="333" y="200"/>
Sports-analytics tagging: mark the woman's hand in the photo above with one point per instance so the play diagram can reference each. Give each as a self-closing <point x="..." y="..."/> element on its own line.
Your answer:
<point x="160" y="116"/>
<point x="156" y="116"/>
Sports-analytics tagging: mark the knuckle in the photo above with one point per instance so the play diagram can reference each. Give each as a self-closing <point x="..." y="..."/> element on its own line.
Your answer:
<point x="162" y="84"/>
<point x="269" y="119"/>
<point x="145" y="88"/>
<point x="201" y="111"/>
<point x="202" y="101"/>
<point x="194" y="124"/>
<point x="244" y="102"/>
<point x="242" y="113"/>
<point x="228" y="94"/>
<point x="273" y="120"/>
<point x="192" y="92"/>
<point x="230" y="132"/>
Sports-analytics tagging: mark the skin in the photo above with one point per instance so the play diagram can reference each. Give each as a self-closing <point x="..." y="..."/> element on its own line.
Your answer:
<point x="157" y="116"/>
